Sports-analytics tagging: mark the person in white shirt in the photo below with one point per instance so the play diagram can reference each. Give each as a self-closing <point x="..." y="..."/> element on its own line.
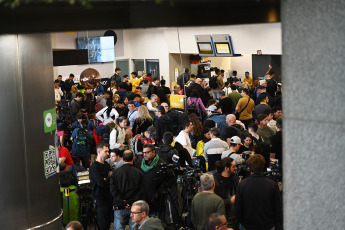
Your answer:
<point x="132" y="113"/>
<point x="152" y="105"/>
<point x="58" y="91"/>
<point x="118" y="134"/>
<point x="106" y="114"/>
<point x="214" y="148"/>
<point x="183" y="136"/>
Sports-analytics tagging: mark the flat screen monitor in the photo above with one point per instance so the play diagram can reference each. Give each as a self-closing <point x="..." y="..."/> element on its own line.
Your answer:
<point x="222" y="48"/>
<point x="205" y="48"/>
<point x="100" y="49"/>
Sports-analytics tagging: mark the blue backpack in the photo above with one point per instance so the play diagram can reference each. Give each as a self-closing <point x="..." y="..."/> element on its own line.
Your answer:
<point x="220" y="120"/>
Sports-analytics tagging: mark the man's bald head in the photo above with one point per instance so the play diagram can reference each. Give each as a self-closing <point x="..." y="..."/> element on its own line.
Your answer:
<point x="198" y="81"/>
<point x="231" y="119"/>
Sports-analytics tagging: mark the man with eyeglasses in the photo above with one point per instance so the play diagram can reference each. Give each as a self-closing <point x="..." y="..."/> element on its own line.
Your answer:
<point x="126" y="185"/>
<point x="149" y="166"/>
<point x="140" y="216"/>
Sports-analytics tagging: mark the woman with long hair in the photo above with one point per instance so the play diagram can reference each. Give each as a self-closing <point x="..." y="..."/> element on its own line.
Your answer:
<point x="143" y="121"/>
<point x="118" y="134"/>
<point x="113" y="87"/>
<point x="116" y="98"/>
<point x="248" y="145"/>
<point x="196" y="133"/>
<point x="206" y="136"/>
<point x="74" y="91"/>
<point x="207" y="96"/>
<point x="106" y="114"/>
<point x="195" y="99"/>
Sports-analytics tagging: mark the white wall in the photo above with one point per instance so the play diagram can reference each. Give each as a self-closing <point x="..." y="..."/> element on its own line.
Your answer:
<point x="246" y="39"/>
<point x="157" y="43"/>
<point x="68" y="41"/>
<point x="147" y="44"/>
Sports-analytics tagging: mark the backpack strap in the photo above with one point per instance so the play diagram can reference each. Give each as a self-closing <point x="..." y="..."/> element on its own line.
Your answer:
<point x="231" y="154"/>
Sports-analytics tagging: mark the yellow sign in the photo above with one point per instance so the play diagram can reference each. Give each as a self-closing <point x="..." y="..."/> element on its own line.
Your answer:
<point x="222" y="48"/>
<point x="173" y="84"/>
<point x="177" y="101"/>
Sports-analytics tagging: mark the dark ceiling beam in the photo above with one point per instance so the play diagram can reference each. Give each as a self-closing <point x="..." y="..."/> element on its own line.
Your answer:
<point x="59" y="16"/>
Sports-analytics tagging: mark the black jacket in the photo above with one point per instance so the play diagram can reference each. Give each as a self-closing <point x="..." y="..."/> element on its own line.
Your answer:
<point x="162" y="124"/>
<point x="75" y="107"/>
<point x="116" y="78"/>
<point x="100" y="182"/>
<point x="197" y="87"/>
<point x="166" y="152"/>
<point x="152" y="90"/>
<point x="89" y="103"/>
<point x="153" y="182"/>
<point x="226" y="188"/>
<point x="68" y="85"/>
<point x="183" y="154"/>
<point x="127" y="185"/>
<point x="162" y="93"/>
<point x="258" y="203"/>
<point x="227" y="106"/>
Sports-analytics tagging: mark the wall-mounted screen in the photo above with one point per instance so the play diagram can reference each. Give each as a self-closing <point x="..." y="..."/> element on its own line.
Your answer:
<point x="205" y="47"/>
<point x="222" y="48"/>
<point x="101" y="49"/>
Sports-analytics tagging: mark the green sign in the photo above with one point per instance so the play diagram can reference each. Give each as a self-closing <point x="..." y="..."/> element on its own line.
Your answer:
<point x="49" y="120"/>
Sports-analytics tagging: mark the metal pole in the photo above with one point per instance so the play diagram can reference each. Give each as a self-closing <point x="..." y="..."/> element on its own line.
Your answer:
<point x="67" y="203"/>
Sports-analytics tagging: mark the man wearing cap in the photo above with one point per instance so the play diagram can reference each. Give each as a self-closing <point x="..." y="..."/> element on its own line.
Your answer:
<point x="214" y="113"/>
<point x="235" y="144"/>
<point x="214" y="148"/>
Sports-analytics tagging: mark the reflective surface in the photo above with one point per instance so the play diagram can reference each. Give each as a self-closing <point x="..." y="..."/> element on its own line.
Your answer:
<point x="26" y="87"/>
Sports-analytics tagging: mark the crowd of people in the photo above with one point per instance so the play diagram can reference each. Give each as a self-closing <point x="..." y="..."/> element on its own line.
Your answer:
<point x="127" y="123"/>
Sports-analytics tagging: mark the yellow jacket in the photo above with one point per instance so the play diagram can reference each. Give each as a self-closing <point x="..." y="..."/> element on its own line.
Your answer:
<point x="135" y="83"/>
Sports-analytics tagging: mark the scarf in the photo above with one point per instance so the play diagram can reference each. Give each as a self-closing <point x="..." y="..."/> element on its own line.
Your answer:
<point x="146" y="167"/>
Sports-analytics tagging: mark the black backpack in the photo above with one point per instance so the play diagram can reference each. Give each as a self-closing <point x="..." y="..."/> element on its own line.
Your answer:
<point x="213" y="82"/>
<point x="240" y="132"/>
<point x="192" y="108"/>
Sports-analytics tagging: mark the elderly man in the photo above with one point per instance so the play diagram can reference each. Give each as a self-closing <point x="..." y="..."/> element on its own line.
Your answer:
<point x="140" y="216"/>
<point x="206" y="202"/>
<point x="217" y="221"/>
<point x="197" y="86"/>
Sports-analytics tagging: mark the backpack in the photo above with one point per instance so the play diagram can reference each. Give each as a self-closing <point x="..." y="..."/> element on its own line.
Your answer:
<point x="213" y="82"/>
<point x="133" y="144"/>
<point x="98" y="106"/>
<point x="220" y="120"/>
<point x="192" y="108"/>
<point x="104" y="132"/>
<point x="240" y="132"/>
<point x="81" y="144"/>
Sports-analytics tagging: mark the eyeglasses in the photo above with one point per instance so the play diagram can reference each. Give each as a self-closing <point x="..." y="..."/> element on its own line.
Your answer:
<point x="135" y="213"/>
<point x="222" y="225"/>
<point x="146" y="152"/>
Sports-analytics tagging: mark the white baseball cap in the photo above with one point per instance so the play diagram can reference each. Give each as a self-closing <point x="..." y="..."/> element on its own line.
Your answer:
<point x="235" y="140"/>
